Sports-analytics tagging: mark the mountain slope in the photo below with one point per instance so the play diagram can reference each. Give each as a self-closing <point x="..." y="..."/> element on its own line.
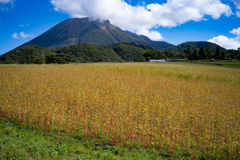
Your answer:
<point x="130" y="51"/>
<point x="80" y="52"/>
<point x="26" y="54"/>
<point x="117" y="52"/>
<point x="81" y="30"/>
<point x="186" y="45"/>
<point x="89" y="53"/>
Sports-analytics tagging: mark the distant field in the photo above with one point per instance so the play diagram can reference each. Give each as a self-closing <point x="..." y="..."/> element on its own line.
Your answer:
<point x="180" y="110"/>
<point x="223" y="64"/>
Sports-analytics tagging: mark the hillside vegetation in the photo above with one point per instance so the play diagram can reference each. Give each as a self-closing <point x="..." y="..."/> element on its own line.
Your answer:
<point x="181" y="47"/>
<point x="130" y="51"/>
<point x="82" y="53"/>
<point x="89" y="53"/>
<point x="117" y="52"/>
<point x="26" y="54"/>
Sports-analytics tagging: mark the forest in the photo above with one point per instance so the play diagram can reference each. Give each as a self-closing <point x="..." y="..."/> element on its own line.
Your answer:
<point x="118" y="52"/>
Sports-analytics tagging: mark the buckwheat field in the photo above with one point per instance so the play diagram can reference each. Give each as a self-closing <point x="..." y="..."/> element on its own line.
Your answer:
<point x="176" y="109"/>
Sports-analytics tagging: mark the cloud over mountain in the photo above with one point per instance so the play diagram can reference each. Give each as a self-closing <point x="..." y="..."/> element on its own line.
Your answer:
<point x="228" y="43"/>
<point x="142" y="18"/>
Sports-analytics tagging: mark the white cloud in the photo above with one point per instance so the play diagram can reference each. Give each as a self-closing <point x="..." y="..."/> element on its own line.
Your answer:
<point x="236" y="31"/>
<point x="6" y="1"/>
<point x="22" y="35"/>
<point x="24" y="25"/>
<point x="5" y="6"/>
<point x="144" y="17"/>
<point x="228" y="43"/>
<point x="151" y="34"/>
<point x="15" y="35"/>
<point x="237" y="3"/>
<point x="238" y="14"/>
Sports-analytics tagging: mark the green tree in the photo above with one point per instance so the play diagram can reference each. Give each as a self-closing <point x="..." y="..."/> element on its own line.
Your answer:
<point x="194" y="55"/>
<point x="59" y="58"/>
<point x="161" y="55"/>
<point x="237" y="56"/>
<point x="218" y="54"/>
<point x="142" y="60"/>
<point x="150" y="55"/>
<point x="154" y="54"/>
<point x="10" y="61"/>
<point x="202" y="53"/>
<point x="169" y="54"/>
<point x="188" y="51"/>
<point x="99" y="60"/>
<point x="37" y="60"/>
<point x="209" y="53"/>
<point x="224" y="57"/>
<point x="181" y="55"/>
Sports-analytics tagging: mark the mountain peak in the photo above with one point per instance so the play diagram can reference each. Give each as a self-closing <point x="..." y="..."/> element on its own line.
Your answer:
<point x="84" y="30"/>
<point x="107" y="21"/>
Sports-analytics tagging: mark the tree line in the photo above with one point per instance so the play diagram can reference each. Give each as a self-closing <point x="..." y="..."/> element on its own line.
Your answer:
<point x="193" y="54"/>
<point x="119" y="52"/>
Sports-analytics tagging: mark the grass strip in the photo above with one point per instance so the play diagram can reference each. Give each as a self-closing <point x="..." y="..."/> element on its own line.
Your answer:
<point x="17" y="142"/>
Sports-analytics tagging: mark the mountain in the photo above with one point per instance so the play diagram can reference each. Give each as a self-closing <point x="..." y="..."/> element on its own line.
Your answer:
<point x="138" y="36"/>
<point x="180" y="48"/>
<point x="82" y="30"/>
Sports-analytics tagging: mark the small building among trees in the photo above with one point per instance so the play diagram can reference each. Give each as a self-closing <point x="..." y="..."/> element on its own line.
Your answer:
<point x="158" y="60"/>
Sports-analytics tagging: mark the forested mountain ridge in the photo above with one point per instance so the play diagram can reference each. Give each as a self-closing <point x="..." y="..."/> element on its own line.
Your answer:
<point x="26" y="54"/>
<point x="199" y="44"/>
<point x="89" y="53"/>
<point x="130" y="51"/>
<point x="117" y="52"/>
<point x="83" y="53"/>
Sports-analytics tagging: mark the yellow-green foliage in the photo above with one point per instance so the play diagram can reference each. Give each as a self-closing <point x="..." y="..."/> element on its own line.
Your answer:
<point x="174" y="107"/>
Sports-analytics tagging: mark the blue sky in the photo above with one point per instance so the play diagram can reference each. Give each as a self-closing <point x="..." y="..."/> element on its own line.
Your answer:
<point x="173" y="21"/>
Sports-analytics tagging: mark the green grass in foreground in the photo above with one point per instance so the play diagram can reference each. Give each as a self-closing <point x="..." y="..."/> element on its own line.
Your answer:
<point x="16" y="143"/>
<point x="219" y="63"/>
